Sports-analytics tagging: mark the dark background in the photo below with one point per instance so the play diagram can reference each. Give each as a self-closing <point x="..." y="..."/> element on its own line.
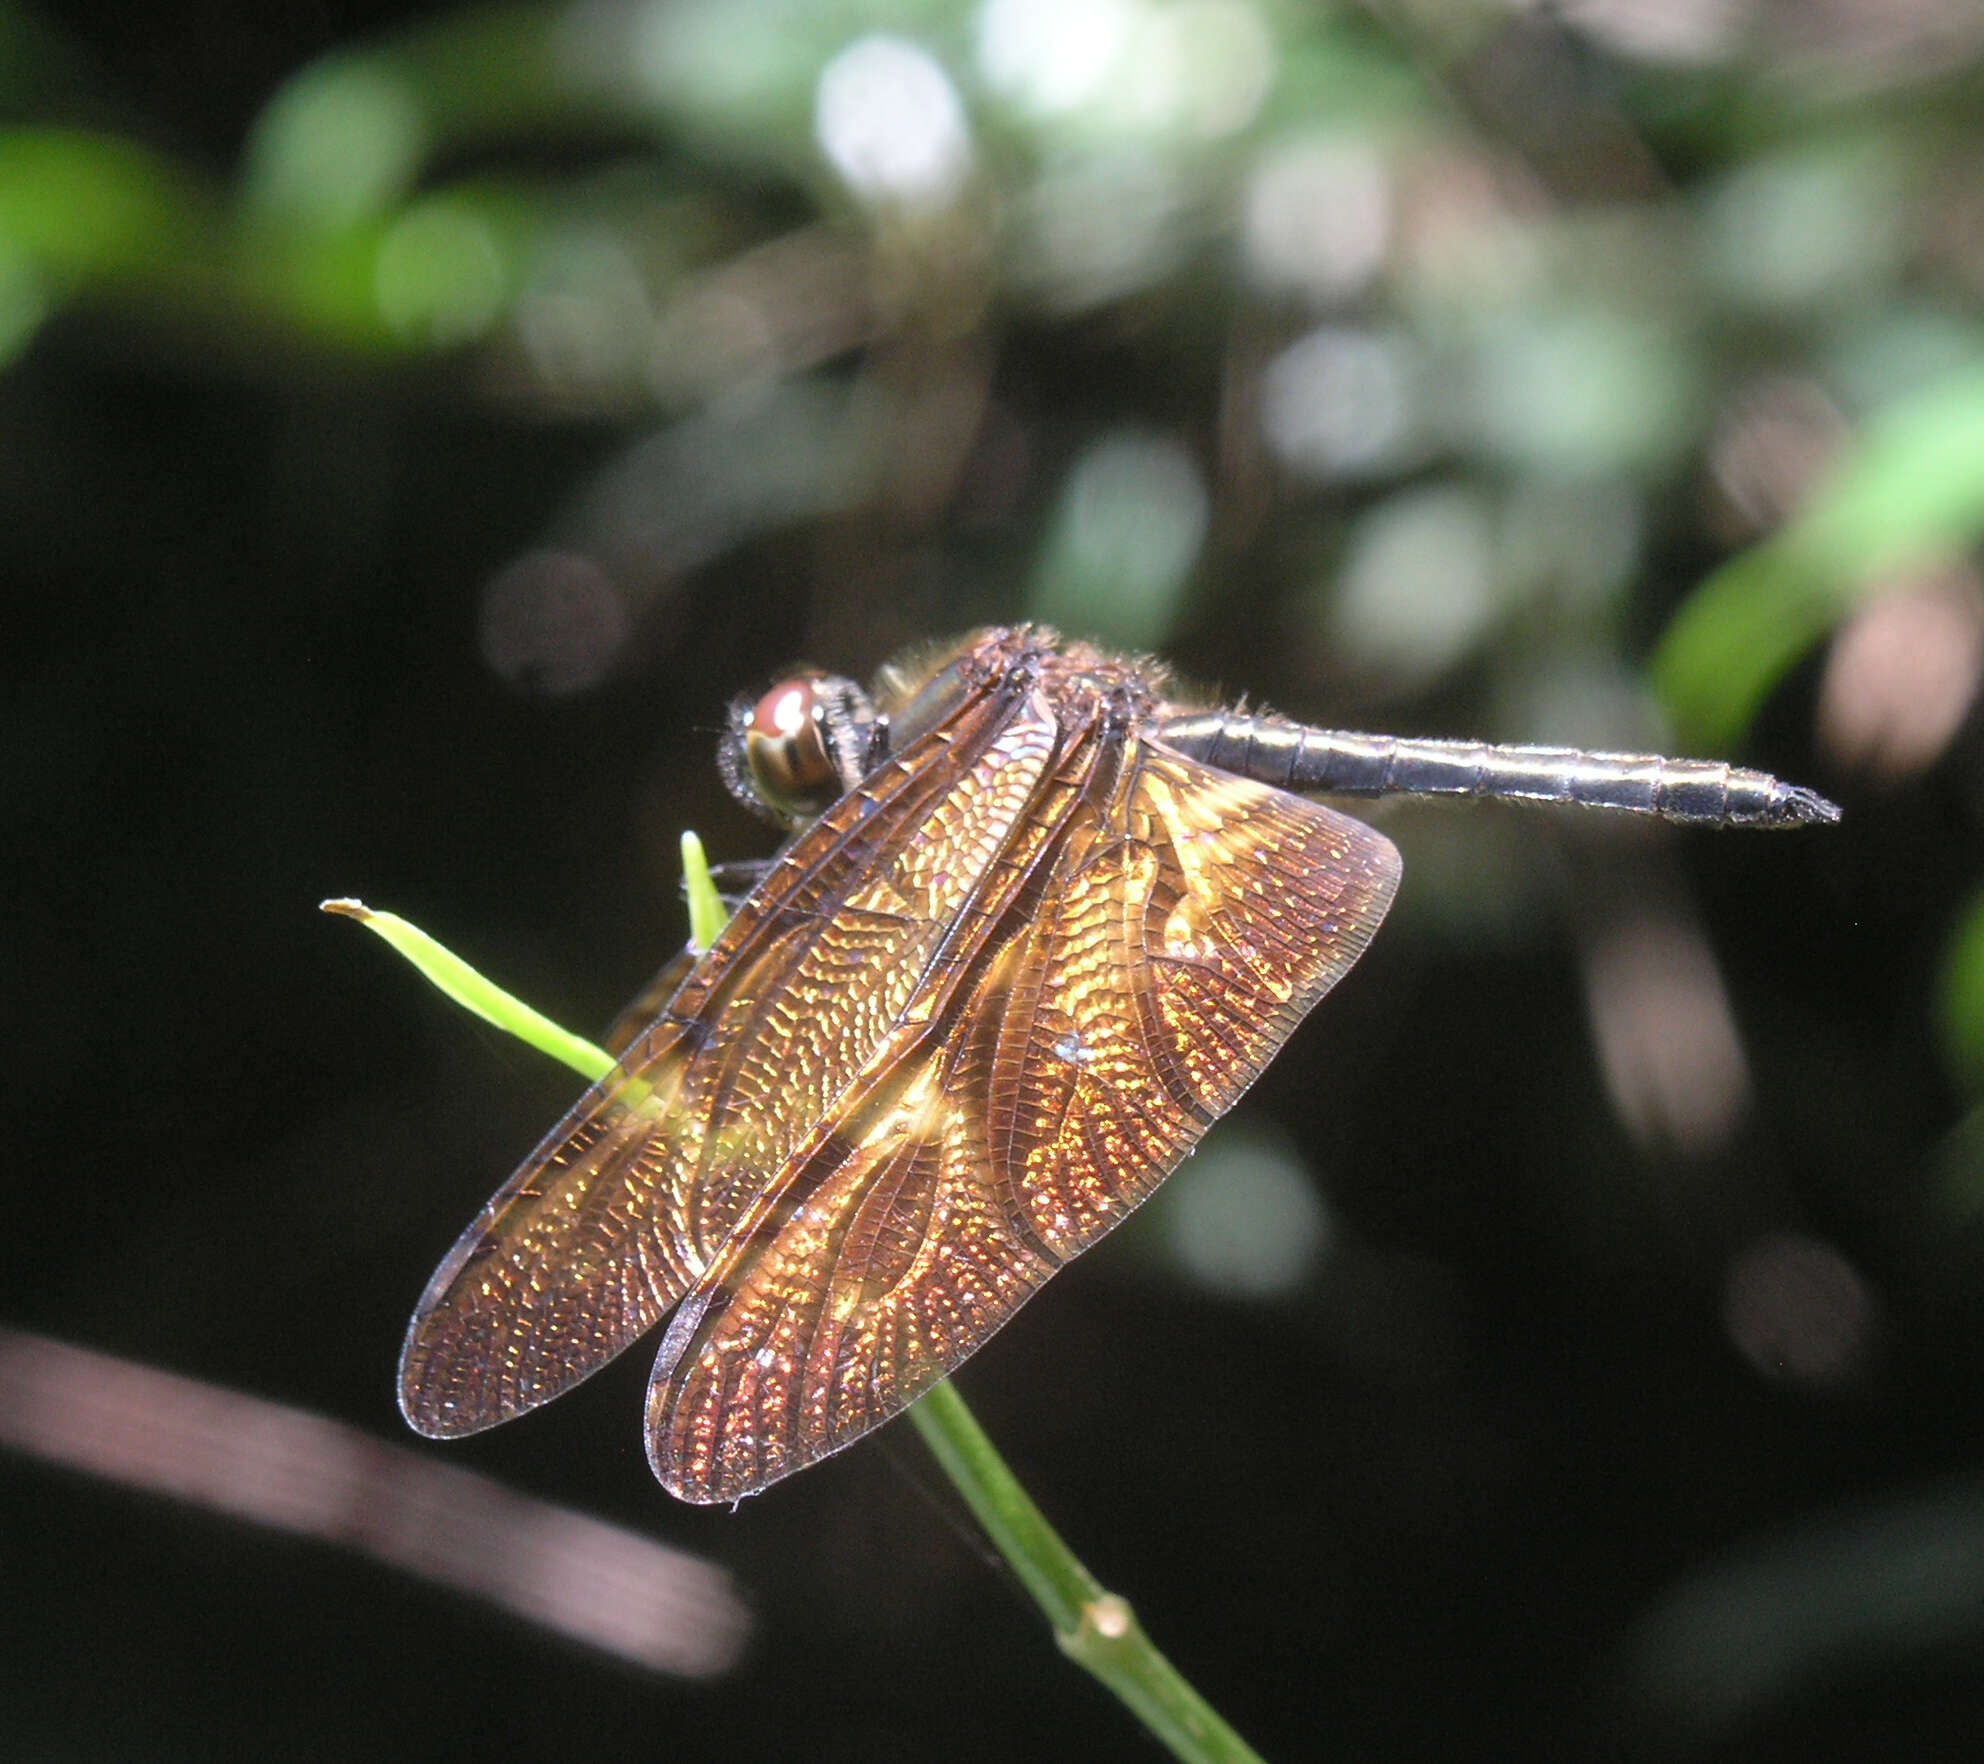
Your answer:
<point x="1587" y="1433"/>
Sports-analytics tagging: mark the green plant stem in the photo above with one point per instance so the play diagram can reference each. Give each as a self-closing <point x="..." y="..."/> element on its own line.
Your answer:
<point x="1095" y="1628"/>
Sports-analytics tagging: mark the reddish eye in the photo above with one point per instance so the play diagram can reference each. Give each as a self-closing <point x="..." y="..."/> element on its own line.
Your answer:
<point x="785" y="747"/>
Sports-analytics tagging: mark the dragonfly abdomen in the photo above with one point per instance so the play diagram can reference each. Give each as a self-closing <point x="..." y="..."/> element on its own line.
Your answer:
<point x="1293" y="756"/>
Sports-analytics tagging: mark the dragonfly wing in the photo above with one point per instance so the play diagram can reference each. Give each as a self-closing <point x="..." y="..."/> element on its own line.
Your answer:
<point x="1184" y="924"/>
<point x="627" y="1201"/>
<point x="567" y="1264"/>
<point x="1187" y="942"/>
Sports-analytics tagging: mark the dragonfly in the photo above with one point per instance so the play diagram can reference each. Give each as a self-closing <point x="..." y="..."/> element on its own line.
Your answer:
<point x="1035" y="928"/>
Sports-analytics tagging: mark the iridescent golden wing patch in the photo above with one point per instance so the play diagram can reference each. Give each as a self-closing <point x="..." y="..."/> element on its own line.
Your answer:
<point x="628" y="1201"/>
<point x="1182" y="923"/>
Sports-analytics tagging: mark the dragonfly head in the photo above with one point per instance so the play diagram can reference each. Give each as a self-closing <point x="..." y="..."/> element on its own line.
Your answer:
<point x="796" y="750"/>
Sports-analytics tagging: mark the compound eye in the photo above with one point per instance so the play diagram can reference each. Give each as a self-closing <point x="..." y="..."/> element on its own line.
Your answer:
<point x="785" y="748"/>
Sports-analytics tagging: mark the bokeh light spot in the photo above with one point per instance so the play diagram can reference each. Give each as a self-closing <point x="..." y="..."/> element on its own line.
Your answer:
<point x="1125" y="539"/>
<point x="1317" y="218"/>
<point x="1583" y="391"/>
<point x="1338" y="403"/>
<point x="1797" y="1309"/>
<point x="1417" y="589"/>
<point x="1203" y="67"/>
<point x="888" y="118"/>
<point x="585" y="320"/>
<point x="1903" y="673"/>
<point x="1805" y="228"/>
<point x="1102" y="227"/>
<point x="1051" y="55"/>
<point x="1245" y="1219"/>
<point x="341" y="142"/>
<point x="1774" y="439"/>
<point x="440" y="276"/>
<point x="553" y="622"/>
<point x="1667" y="1040"/>
<point x="1678" y="33"/>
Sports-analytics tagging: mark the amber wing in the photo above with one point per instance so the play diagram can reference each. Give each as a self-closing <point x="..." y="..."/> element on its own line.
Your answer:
<point x="1170" y="927"/>
<point x="626" y="1204"/>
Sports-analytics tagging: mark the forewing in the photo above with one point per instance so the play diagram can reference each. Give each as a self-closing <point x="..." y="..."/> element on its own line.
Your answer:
<point x="625" y="1204"/>
<point x="1186" y="922"/>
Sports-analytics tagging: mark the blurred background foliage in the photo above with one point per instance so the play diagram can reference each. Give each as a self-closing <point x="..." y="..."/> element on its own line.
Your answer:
<point x="417" y="420"/>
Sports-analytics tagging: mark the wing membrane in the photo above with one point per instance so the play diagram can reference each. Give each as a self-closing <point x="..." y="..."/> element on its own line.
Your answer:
<point x="1205" y="919"/>
<point x="625" y="1204"/>
<point x="1174" y="925"/>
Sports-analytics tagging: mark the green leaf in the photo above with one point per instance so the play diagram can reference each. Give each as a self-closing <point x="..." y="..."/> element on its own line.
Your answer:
<point x="476" y="992"/>
<point x="1913" y="489"/>
<point x="706" y="911"/>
